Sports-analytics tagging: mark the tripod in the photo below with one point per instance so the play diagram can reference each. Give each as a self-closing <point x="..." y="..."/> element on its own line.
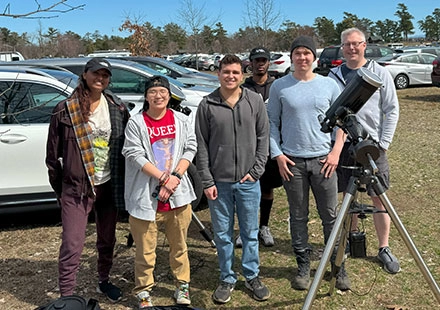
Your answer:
<point x="365" y="152"/>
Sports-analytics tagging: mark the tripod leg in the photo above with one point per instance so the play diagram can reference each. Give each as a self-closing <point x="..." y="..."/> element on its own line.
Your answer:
<point x="409" y="243"/>
<point x="203" y="230"/>
<point x="328" y="250"/>
<point x="341" y="250"/>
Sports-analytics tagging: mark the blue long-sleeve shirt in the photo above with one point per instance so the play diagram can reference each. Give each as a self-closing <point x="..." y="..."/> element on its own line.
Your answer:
<point x="294" y="107"/>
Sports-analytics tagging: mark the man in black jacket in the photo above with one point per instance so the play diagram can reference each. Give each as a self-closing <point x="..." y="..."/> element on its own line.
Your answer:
<point x="260" y="82"/>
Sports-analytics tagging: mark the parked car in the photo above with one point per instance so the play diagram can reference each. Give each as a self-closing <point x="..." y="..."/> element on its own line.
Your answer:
<point x="128" y="80"/>
<point x="279" y="64"/>
<point x="207" y="63"/>
<point x="331" y="56"/>
<point x="435" y="74"/>
<point x="419" y="49"/>
<point x="175" y="71"/>
<point x="65" y="76"/>
<point x="11" y="56"/>
<point x="181" y="59"/>
<point x="246" y="64"/>
<point x="409" y="68"/>
<point x="26" y="102"/>
<point x="217" y="59"/>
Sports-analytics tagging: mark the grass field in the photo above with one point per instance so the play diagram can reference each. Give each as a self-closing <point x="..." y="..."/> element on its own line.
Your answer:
<point x="28" y="255"/>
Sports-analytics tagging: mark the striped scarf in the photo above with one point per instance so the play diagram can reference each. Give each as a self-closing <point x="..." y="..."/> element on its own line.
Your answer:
<point x="83" y="137"/>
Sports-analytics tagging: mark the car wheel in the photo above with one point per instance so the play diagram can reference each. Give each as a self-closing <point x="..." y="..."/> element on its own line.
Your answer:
<point x="196" y="182"/>
<point x="287" y="71"/>
<point x="211" y="68"/>
<point x="401" y="81"/>
<point x="248" y="69"/>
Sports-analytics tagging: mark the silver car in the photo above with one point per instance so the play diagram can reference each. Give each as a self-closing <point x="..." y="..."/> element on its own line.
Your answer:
<point x="409" y="68"/>
<point x="128" y="80"/>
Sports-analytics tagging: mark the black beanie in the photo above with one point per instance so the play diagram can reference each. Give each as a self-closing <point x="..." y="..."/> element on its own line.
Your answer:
<point x="303" y="41"/>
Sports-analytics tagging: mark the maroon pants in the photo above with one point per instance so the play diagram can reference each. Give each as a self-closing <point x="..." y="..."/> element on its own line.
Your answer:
<point x="74" y="216"/>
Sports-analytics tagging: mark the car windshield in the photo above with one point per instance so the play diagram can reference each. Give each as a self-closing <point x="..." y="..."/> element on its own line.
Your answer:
<point x="154" y="72"/>
<point x="66" y="77"/>
<point x="175" y="67"/>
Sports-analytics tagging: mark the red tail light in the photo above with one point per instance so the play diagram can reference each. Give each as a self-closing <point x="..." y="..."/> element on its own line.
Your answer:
<point x="278" y="62"/>
<point x="436" y="63"/>
<point x="336" y="62"/>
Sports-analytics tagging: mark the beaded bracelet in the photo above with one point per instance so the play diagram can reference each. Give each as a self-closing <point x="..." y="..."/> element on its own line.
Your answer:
<point x="165" y="181"/>
<point x="162" y="177"/>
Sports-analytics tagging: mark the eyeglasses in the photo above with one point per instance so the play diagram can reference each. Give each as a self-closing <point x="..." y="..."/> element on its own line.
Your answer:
<point x="154" y="92"/>
<point x="354" y="44"/>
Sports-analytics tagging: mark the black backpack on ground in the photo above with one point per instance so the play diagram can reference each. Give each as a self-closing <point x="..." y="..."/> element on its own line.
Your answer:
<point x="73" y="302"/>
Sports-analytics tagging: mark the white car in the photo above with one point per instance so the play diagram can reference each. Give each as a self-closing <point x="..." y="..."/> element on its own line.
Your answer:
<point x="409" y="68"/>
<point x="279" y="64"/>
<point x="26" y="104"/>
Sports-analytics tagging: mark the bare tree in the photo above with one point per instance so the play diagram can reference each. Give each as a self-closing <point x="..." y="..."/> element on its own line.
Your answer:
<point x="193" y="19"/>
<point x="262" y="15"/>
<point x="40" y="12"/>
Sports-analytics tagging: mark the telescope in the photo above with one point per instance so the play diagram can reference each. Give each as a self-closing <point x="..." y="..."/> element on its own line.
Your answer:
<point x="352" y="99"/>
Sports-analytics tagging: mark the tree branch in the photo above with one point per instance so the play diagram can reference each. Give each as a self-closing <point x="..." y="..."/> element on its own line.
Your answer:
<point x="50" y="10"/>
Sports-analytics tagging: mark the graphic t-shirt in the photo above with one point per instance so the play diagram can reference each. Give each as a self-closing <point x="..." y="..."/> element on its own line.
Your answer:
<point x="99" y="122"/>
<point x="162" y="133"/>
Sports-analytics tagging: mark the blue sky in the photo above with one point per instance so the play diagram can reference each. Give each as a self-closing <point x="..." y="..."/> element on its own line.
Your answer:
<point x="107" y="16"/>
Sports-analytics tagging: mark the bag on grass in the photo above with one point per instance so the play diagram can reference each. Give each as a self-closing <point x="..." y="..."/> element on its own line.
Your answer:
<point x="73" y="302"/>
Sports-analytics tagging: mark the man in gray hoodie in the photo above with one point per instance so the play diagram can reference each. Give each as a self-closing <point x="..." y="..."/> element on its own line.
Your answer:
<point x="379" y="118"/>
<point x="232" y="132"/>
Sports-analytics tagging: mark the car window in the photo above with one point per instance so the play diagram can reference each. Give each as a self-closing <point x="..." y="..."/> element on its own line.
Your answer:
<point x="27" y="103"/>
<point x="126" y="82"/>
<point x="427" y="59"/>
<point x="372" y="52"/>
<point x="383" y="51"/>
<point x="77" y="69"/>
<point x="327" y="53"/>
<point x="414" y="59"/>
<point x="158" y="68"/>
<point x="276" y="56"/>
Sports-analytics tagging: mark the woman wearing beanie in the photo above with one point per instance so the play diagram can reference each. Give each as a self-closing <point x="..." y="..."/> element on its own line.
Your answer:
<point x="304" y="153"/>
<point x="159" y="147"/>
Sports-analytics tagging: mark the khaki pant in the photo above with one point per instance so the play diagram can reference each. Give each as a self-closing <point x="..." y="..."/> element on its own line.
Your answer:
<point x="144" y="233"/>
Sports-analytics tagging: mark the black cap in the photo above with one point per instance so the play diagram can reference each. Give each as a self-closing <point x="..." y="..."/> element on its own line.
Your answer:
<point x="304" y="41"/>
<point x="157" y="81"/>
<point x="259" y="52"/>
<point x="96" y="64"/>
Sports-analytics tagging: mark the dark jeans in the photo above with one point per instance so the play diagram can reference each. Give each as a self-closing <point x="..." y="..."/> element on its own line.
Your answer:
<point x="306" y="176"/>
<point x="74" y="216"/>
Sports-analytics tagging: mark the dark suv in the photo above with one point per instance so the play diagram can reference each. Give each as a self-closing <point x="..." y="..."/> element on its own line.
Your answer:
<point x="332" y="57"/>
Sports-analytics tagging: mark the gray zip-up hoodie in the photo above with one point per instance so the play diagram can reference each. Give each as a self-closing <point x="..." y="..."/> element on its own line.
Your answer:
<point x="380" y="113"/>
<point x="231" y="141"/>
<point x="137" y="150"/>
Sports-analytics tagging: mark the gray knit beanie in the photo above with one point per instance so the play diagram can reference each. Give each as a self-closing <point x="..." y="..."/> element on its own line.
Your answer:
<point x="303" y="41"/>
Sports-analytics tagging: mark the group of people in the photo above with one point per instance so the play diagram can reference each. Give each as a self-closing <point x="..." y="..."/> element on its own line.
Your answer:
<point x="249" y="138"/>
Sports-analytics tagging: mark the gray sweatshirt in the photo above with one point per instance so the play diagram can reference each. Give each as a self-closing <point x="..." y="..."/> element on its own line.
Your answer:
<point x="231" y="141"/>
<point x="138" y="151"/>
